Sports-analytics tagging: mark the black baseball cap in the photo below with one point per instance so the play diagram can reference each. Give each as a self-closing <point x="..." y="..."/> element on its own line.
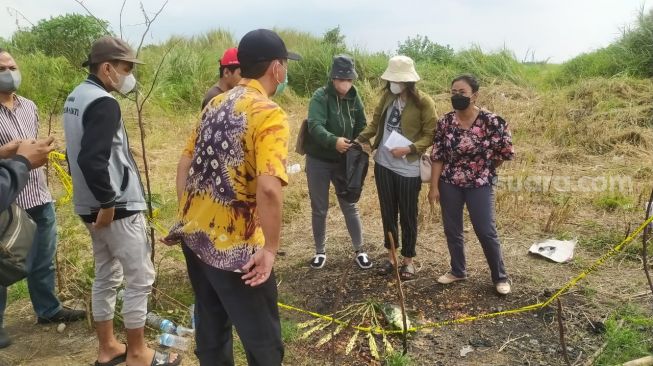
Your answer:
<point x="263" y="45"/>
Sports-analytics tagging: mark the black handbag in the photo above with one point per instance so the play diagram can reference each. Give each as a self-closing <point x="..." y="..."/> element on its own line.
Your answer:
<point x="16" y="240"/>
<point x="301" y="138"/>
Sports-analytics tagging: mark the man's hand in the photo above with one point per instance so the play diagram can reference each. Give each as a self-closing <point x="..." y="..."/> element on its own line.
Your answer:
<point x="400" y="152"/>
<point x="104" y="217"/>
<point x="171" y="239"/>
<point x="342" y="145"/>
<point x="9" y="149"/>
<point x="259" y="267"/>
<point x="36" y="151"/>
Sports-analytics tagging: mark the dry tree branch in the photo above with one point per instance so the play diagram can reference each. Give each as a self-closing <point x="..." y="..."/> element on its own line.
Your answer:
<point x="15" y="12"/>
<point x="148" y="24"/>
<point x="146" y="96"/>
<point x="122" y="8"/>
<point x="645" y="239"/>
<point x="400" y="290"/>
<point x="102" y="24"/>
<point x="561" y="327"/>
<point x="141" y="124"/>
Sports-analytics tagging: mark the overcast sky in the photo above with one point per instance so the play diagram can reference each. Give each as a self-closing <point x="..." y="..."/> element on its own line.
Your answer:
<point x="553" y="29"/>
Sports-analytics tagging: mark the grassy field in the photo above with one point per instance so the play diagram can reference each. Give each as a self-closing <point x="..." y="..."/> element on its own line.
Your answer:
<point x="583" y="170"/>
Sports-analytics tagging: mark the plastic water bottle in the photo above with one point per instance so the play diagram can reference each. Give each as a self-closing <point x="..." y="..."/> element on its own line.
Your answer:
<point x="293" y="169"/>
<point x="170" y="340"/>
<point x="156" y="321"/>
<point x="183" y="331"/>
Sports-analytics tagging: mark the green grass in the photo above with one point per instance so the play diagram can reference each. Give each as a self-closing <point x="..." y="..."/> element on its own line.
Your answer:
<point x="632" y="340"/>
<point x="397" y="359"/>
<point x="613" y="201"/>
<point x="606" y="238"/>
<point x="17" y="291"/>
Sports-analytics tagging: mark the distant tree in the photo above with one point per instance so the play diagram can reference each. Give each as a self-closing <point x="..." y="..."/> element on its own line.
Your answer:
<point x="69" y="35"/>
<point x="334" y="38"/>
<point x="421" y="48"/>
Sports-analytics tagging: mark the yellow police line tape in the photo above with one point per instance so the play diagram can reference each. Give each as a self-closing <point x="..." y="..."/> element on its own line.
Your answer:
<point x="376" y="330"/>
<point x="64" y="177"/>
<point x="66" y="180"/>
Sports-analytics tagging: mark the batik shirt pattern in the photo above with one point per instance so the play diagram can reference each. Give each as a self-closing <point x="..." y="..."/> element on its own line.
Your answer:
<point x="242" y="135"/>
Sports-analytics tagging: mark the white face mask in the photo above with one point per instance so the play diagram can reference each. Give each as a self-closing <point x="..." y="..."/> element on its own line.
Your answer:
<point x="125" y="83"/>
<point x="396" y="88"/>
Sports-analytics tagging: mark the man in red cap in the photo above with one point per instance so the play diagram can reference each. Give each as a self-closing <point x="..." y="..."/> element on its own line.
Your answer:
<point x="230" y="201"/>
<point x="229" y="75"/>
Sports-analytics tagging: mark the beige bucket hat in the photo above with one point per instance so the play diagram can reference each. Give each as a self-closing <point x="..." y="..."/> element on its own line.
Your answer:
<point x="401" y="69"/>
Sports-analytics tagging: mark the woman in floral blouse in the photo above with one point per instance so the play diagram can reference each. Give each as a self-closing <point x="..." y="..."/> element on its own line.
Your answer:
<point x="469" y="145"/>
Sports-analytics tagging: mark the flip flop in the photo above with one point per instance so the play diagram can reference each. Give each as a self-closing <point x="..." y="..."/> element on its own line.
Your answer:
<point x="114" y="361"/>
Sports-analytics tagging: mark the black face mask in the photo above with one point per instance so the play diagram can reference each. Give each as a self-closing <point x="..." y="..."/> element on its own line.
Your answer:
<point x="460" y="102"/>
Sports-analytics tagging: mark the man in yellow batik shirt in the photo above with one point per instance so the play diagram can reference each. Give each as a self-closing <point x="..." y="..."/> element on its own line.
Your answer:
<point x="229" y="186"/>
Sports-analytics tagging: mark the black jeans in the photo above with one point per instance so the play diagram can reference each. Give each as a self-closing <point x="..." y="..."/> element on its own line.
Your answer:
<point x="222" y="301"/>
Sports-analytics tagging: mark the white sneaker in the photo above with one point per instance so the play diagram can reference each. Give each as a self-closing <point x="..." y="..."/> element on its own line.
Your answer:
<point x="448" y="278"/>
<point x="363" y="260"/>
<point x="318" y="261"/>
<point x="503" y="287"/>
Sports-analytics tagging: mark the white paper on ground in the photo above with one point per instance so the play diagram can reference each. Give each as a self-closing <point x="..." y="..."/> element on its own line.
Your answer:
<point x="560" y="251"/>
<point x="397" y="140"/>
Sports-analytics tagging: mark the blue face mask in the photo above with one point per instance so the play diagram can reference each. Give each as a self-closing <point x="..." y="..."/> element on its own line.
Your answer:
<point x="282" y="85"/>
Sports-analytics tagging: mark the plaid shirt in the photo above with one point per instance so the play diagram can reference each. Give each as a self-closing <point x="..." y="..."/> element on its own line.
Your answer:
<point x="19" y="123"/>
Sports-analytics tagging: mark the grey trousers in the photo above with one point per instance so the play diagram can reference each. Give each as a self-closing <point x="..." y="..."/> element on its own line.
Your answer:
<point x="480" y="204"/>
<point x="122" y="250"/>
<point x="320" y="174"/>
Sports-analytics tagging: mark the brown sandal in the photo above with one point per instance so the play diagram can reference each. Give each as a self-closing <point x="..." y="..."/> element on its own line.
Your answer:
<point x="407" y="272"/>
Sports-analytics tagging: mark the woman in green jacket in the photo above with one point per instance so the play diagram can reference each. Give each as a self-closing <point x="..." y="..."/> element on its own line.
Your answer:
<point x="335" y="116"/>
<point x="406" y="111"/>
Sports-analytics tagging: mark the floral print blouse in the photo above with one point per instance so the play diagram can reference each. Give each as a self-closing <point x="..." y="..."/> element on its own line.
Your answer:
<point x="469" y="154"/>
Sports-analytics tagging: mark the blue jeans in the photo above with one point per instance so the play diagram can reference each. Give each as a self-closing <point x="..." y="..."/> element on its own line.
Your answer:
<point x="40" y="265"/>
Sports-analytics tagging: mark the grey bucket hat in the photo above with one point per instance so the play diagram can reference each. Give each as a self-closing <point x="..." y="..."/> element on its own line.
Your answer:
<point x="343" y="68"/>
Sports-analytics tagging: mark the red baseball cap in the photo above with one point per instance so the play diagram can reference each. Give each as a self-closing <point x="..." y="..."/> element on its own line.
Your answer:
<point x="230" y="57"/>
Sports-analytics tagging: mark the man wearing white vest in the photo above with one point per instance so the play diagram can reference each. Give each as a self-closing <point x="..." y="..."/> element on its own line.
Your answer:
<point x="109" y="198"/>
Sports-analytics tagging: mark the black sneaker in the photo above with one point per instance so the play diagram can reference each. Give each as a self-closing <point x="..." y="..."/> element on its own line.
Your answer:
<point x="363" y="260"/>
<point x="63" y="316"/>
<point x="5" y="341"/>
<point x="318" y="261"/>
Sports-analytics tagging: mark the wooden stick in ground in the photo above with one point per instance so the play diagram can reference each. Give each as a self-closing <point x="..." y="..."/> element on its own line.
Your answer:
<point x="401" y="294"/>
<point x="561" y="326"/>
<point x="644" y="361"/>
<point x="645" y="238"/>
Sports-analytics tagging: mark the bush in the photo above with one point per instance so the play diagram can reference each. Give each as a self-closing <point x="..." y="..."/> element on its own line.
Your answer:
<point x="69" y="35"/>
<point x="421" y="48"/>
<point x="47" y="80"/>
